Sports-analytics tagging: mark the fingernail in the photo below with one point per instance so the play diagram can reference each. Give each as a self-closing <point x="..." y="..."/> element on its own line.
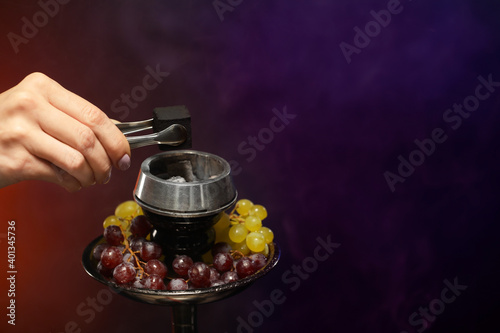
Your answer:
<point x="108" y="178"/>
<point x="77" y="189"/>
<point x="124" y="162"/>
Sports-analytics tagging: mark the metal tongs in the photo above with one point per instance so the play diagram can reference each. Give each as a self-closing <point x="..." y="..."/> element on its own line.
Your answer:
<point x="170" y="125"/>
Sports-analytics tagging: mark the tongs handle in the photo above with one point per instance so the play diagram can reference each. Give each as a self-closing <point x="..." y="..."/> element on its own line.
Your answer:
<point x="174" y="135"/>
<point x="170" y="127"/>
<point x="135" y="126"/>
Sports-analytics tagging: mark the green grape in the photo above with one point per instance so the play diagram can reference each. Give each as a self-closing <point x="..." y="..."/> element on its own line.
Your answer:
<point x="111" y="220"/>
<point x="237" y="233"/>
<point x="265" y="252"/>
<point x="268" y="234"/>
<point x="243" y="205"/>
<point x="259" y="211"/>
<point x="242" y="247"/>
<point x="256" y="242"/>
<point x="253" y="223"/>
<point x="127" y="210"/>
<point x="125" y="223"/>
<point x="223" y="223"/>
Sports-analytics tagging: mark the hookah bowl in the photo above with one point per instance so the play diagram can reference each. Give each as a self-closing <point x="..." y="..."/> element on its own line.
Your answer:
<point x="183" y="193"/>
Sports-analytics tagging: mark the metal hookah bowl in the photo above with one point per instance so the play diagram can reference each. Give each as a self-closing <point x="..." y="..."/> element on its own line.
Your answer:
<point x="184" y="193"/>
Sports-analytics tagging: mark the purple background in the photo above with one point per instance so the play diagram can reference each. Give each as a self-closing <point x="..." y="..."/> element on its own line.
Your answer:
<point x="322" y="175"/>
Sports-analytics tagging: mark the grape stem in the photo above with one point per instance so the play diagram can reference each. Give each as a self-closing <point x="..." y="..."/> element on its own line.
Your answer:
<point x="236" y="254"/>
<point x="138" y="265"/>
<point x="235" y="218"/>
<point x="234" y="208"/>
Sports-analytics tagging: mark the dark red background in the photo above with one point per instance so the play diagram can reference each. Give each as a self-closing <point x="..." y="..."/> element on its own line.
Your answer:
<point x="322" y="175"/>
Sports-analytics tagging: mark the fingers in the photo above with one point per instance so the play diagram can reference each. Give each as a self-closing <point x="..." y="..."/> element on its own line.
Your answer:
<point x="61" y="155"/>
<point x="22" y="165"/>
<point x="73" y="133"/>
<point x="112" y="140"/>
<point x="58" y="176"/>
<point x="49" y="133"/>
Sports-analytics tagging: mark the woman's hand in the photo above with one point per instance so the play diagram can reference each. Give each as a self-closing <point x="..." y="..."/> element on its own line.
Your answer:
<point x="49" y="133"/>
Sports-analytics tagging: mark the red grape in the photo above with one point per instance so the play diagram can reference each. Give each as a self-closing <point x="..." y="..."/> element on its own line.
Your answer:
<point x="177" y="284"/>
<point x="124" y="273"/>
<point x="199" y="275"/>
<point x="96" y="253"/>
<point x="140" y="226"/>
<point x="214" y="275"/>
<point x="216" y="283"/>
<point x="154" y="282"/>
<point x="156" y="267"/>
<point x="138" y="283"/>
<point x="258" y="260"/>
<point x="150" y="250"/>
<point x="223" y="262"/>
<point x="136" y="243"/>
<point x="111" y="257"/>
<point x="244" y="267"/>
<point x="181" y="265"/>
<point x="113" y="235"/>
<point x="221" y="247"/>
<point x="230" y="276"/>
<point x="106" y="272"/>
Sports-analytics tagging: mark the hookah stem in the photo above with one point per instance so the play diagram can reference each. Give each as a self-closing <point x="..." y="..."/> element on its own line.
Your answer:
<point x="184" y="318"/>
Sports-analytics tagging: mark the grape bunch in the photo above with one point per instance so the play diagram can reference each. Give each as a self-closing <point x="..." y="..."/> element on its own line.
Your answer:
<point x="129" y="257"/>
<point x="243" y="229"/>
<point x="228" y="266"/>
